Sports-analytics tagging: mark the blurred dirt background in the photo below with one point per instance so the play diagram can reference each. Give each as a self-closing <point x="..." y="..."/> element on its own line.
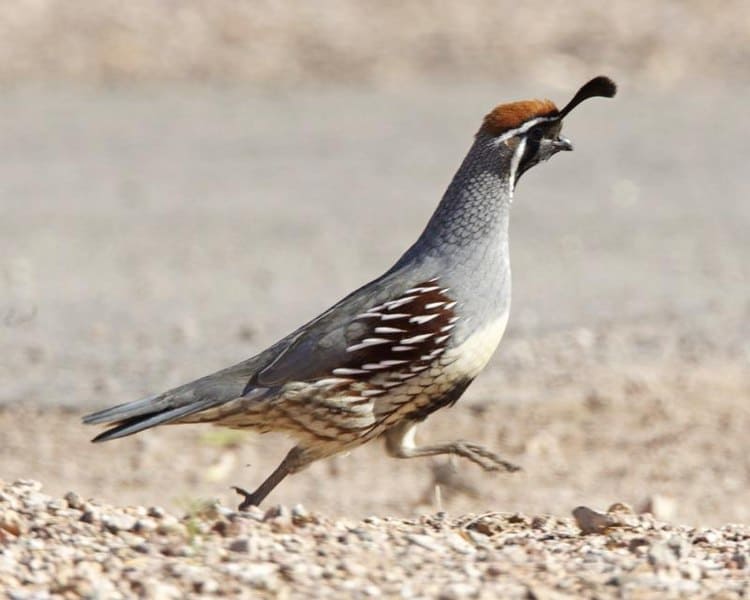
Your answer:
<point x="182" y="183"/>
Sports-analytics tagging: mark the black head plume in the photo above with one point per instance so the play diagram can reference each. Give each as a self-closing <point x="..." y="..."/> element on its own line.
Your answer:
<point x="598" y="86"/>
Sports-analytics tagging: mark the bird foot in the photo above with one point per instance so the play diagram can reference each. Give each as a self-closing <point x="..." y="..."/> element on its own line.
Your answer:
<point x="250" y="499"/>
<point x="487" y="459"/>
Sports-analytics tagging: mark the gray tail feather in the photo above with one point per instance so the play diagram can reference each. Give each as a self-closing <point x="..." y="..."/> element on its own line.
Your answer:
<point x="144" y="406"/>
<point x="174" y="405"/>
<point x="134" y="424"/>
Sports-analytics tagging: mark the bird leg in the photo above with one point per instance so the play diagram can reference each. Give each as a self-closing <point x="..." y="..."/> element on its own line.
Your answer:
<point x="399" y="442"/>
<point x="292" y="462"/>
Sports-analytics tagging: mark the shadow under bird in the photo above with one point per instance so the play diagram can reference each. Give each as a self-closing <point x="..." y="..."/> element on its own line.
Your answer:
<point x="402" y="346"/>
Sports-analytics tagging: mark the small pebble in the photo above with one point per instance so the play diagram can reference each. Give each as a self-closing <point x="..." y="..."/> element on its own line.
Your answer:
<point x="590" y="521"/>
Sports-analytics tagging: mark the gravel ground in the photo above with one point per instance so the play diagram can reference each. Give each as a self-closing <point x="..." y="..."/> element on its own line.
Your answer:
<point x="72" y="547"/>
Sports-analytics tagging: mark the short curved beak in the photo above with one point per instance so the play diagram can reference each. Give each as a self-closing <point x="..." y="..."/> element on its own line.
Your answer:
<point x="562" y="143"/>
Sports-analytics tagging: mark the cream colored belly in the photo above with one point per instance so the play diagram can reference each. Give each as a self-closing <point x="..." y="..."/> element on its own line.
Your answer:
<point x="468" y="359"/>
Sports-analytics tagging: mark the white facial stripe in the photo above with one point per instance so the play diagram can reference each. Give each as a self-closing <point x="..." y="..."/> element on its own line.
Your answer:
<point x="514" y="162"/>
<point x="522" y="129"/>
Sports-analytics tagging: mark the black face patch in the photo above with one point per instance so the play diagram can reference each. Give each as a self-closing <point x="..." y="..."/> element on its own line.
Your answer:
<point x="534" y="139"/>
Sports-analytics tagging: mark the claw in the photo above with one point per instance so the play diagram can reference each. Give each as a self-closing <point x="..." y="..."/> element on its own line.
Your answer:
<point x="248" y="501"/>
<point x="488" y="460"/>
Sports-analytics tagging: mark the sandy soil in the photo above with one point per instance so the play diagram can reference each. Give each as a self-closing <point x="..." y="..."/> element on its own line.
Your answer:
<point x="150" y="236"/>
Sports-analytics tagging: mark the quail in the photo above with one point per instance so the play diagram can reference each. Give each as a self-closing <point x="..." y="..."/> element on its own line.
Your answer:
<point x="402" y="346"/>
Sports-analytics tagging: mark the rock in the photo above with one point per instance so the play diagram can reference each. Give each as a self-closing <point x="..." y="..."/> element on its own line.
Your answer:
<point x="145" y="525"/>
<point x="240" y="545"/>
<point x="156" y="512"/>
<point x="590" y="521"/>
<point x="11" y="522"/>
<point x="116" y="523"/>
<point x="299" y="513"/>
<point x="738" y="561"/>
<point x="91" y="514"/>
<point x="620" y="508"/>
<point x="74" y="501"/>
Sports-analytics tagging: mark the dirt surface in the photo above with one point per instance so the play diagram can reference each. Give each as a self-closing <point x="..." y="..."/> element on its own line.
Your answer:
<point x="149" y="236"/>
<point x="71" y="548"/>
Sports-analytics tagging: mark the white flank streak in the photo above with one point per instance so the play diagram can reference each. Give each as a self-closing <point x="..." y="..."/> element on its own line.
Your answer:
<point x="400" y="302"/>
<point x="394" y="316"/>
<point x="447" y="327"/>
<point x="383" y="364"/>
<point x="452" y="319"/>
<point x="419" y="369"/>
<point x="441" y="339"/>
<point x="368" y="393"/>
<point x="344" y="371"/>
<point x="423" y="319"/>
<point x="417" y="339"/>
<point x="450" y="305"/>
<point x="368" y="315"/>
<point x="366" y="343"/>
<point x="422" y="290"/>
<point x="393" y="363"/>
<point x="405" y="376"/>
<point x="402" y="348"/>
<point x="391" y="384"/>
<point x="330" y="381"/>
<point x="389" y="330"/>
<point x="432" y="305"/>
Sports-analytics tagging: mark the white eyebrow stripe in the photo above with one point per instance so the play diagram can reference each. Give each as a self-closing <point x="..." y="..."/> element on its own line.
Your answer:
<point x="522" y="129"/>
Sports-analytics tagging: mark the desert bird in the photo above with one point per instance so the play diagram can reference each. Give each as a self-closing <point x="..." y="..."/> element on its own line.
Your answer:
<point x="402" y="346"/>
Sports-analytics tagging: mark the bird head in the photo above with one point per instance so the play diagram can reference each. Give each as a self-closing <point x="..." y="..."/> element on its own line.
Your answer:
<point x="528" y="132"/>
